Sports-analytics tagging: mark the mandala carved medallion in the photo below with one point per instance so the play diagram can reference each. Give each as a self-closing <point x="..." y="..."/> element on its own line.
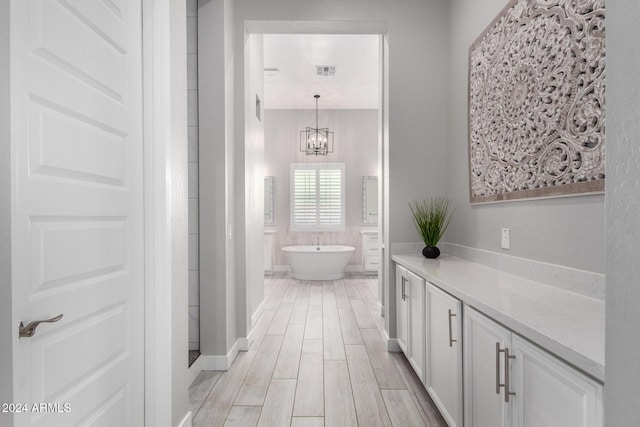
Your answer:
<point x="536" y="101"/>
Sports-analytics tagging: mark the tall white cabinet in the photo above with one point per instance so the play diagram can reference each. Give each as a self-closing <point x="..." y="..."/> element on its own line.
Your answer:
<point x="511" y="382"/>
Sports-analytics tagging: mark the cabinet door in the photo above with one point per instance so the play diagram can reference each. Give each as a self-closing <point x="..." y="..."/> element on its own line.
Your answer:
<point x="550" y="393"/>
<point x="268" y="260"/>
<point x="484" y="402"/>
<point x="415" y="287"/>
<point x="444" y="353"/>
<point x="402" y="309"/>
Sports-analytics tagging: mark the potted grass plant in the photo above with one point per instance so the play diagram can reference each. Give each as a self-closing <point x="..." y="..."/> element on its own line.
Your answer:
<point x="431" y="217"/>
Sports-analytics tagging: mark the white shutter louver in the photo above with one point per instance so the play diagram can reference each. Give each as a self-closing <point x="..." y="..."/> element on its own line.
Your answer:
<point x="330" y="197"/>
<point x="317" y="196"/>
<point x="304" y="197"/>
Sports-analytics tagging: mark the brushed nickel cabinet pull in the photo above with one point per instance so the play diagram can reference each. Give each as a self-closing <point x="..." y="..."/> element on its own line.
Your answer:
<point x="451" y="340"/>
<point x="29" y="330"/>
<point x="404" y="295"/>
<point x="498" y="383"/>
<point x="507" y="385"/>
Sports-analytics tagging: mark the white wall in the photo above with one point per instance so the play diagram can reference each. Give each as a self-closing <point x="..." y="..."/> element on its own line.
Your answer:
<point x="417" y="70"/>
<point x="356" y="145"/>
<point x="6" y="331"/>
<point x="216" y="179"/>
<point x="253" y="153"/>
<point x="192" y="121"/>
<point x="177" y="193"/>
<point x="566" y="231"/>
<point x="622" y="382"/>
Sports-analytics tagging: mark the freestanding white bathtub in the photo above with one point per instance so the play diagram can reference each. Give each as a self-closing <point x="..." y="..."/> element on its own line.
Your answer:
<point x="318" y="262"/>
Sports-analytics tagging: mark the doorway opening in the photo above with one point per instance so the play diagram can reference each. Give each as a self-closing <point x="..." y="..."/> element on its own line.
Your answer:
<point x="284" y="68"/>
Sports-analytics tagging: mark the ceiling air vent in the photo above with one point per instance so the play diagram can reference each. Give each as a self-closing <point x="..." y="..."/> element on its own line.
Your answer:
<point x="325" y="70"/>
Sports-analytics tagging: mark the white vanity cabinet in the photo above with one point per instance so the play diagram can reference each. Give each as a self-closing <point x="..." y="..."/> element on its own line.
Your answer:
<point x="268" y="251"/>
<point x="553" y="393"/>
<point x="511" y="382"/>
<point x="370" y="252"/>
<point x="410" y="318"/>
<point x="444" y="353"/>
<point x="402" y="310"/>
<point x="484" y="403"/>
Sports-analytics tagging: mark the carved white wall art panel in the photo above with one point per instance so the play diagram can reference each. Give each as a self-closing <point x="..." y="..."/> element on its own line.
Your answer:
<point x="536" y="101"/>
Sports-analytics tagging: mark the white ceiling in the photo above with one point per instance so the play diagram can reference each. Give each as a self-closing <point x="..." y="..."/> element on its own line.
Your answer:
<point x="355" y="85"/>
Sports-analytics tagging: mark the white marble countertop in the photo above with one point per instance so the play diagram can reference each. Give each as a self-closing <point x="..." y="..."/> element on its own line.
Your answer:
<point x="567" y="324"/>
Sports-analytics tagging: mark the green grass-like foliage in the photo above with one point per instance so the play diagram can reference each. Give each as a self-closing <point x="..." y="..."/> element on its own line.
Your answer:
<point x="431" y="217"/>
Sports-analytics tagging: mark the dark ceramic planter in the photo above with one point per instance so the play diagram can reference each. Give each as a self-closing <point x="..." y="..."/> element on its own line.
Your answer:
<point x="430" y="252"/>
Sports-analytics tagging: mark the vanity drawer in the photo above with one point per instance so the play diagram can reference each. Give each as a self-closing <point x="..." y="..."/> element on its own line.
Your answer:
<point x="371" y="262"/>
<point x="371" y="239"/>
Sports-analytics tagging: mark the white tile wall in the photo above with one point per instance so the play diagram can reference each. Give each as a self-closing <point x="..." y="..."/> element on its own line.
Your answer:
<point x="192" y="120"/>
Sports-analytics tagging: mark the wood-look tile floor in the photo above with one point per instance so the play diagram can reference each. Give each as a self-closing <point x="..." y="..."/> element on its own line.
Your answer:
<point x="317" y="359"/>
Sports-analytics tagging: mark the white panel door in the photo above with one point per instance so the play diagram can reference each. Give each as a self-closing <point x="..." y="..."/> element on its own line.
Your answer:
<point x="444" y="353"/>
<point x="550" y="393"/>
<point x="484" y="400"/>
<point x="77" y="230"/>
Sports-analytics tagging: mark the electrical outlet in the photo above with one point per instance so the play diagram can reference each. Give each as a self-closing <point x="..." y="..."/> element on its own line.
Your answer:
<point x="506" y="238"/>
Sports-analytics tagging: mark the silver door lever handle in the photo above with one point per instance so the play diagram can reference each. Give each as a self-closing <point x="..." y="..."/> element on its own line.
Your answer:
<point x="29" y="330"/>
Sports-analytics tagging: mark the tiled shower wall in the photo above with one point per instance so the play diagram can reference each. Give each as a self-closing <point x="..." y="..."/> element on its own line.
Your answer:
<point x="192" y="119"/>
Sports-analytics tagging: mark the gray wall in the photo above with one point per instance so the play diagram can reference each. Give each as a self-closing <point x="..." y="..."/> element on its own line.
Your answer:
<point x="566" y="231"/>
<point x="356" y="136"/>
<point x="253" y="154"/>
<point x="6" y="357"/>
<point x="192" y="121"/>
<point x="177" y="201"/>
<point x="216" y="193"/>
<point x="622" y="382"/>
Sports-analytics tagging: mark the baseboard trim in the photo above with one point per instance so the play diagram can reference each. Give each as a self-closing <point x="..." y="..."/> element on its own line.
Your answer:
<point x="222" y="363"/>
<point x="243" y="344"/>
<point x="256" y="315"/>
<point x="392" y="343"/>
<point x="186" y="421"/>
<point x="354" y="268"/>
<point x="195" y="369"/>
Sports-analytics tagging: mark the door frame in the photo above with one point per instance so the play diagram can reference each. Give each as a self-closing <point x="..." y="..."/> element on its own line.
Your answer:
<point x="164" y="56"/>
<point x="379" y="28"/>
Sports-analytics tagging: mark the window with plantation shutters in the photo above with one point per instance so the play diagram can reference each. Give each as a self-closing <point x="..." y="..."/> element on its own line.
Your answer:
<point x="317" y="196"/>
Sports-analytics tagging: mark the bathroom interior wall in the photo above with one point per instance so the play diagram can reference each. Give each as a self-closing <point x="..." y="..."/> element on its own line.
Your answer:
<point x="567" y="231"/>
<point x="356" y="145"/>
<point x="216" y="181"/>
<point x="192" y="121"/>
<point x="254" y="185"/>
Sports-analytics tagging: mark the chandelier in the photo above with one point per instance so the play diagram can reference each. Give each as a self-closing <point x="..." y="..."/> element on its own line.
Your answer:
<point x="316" y="141"/>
